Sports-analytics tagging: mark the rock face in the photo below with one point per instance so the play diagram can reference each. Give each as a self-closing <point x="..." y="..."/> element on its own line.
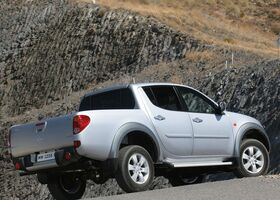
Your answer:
<point x="48" y="49"/>
<point x="52" y="52"/>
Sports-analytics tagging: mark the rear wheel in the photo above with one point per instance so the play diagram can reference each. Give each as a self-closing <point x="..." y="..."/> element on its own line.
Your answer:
<point x="67" y="186"/>
<point x="253" y="159"/>
<point x="179" y="179"/>
<point x="135" y="169"/>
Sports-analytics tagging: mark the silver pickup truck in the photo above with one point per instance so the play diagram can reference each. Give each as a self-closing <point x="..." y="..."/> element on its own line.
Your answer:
<point x="136" y="132"/>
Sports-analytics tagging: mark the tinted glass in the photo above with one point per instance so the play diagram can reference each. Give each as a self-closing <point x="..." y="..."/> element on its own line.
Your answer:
<point x="163" y="97"/>
<point x="195" y="102"/>
<point x="150" y="94"/>
<point x="116" y="99"/>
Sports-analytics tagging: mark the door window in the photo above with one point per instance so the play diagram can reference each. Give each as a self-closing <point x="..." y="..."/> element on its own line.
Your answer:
<point x="196" y="102"/>
<point x="164" y="97"/>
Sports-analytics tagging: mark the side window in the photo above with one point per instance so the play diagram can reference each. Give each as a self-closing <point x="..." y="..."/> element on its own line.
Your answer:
<point x="163" y="97"/>
<point x="150" y="94"/>
<point x="195" y="102"/>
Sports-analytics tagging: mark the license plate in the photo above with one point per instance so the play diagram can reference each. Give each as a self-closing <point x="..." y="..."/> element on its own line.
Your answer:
<point x="45" y="156"/>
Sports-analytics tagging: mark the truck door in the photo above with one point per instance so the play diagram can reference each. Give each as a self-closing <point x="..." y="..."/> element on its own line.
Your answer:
<point x="212" y="131"/>
<point x="172" y="124"/>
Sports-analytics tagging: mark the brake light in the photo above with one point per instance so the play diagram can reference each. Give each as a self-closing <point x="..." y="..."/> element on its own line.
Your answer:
<point x="80" y="122"/>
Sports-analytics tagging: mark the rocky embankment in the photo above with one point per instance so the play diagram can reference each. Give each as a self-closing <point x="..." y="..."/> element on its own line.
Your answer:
<point x="49" y="49"/>
<point x="52" y="52"/>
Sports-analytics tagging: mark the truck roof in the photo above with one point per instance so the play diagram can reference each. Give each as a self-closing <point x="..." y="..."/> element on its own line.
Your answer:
<point x="122" y="86"/>
<point x="107" y="89"/>
<point x="154" y="84"/>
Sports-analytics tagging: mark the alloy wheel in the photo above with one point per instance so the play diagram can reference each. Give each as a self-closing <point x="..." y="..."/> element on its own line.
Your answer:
<point x="253" y="159"/>
<point x="138" y="168"/>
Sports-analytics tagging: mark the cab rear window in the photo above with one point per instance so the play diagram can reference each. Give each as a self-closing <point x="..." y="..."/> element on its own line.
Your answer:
<point x="116" y="99"/>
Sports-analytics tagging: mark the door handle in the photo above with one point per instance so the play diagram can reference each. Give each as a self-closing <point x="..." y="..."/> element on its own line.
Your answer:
<point x="197" y="120"/>
<point x="159" y="117"/>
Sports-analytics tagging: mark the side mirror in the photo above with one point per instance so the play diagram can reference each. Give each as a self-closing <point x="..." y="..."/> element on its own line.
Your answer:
<point x="222" y="107"/>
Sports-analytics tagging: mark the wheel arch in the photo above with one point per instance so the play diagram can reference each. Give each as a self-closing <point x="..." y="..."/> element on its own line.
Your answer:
<point x="135" y="129"/>
<point x="251" y="131"/>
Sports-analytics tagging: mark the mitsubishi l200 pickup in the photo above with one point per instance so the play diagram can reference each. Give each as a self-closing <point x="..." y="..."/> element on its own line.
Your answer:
<point x="135" y="132"/>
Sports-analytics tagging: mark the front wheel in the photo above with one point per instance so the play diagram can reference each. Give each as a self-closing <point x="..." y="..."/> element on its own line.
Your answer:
<point x="67" y="187"/>
<point x="135" y="169"/>
<point x="253" y="159"/>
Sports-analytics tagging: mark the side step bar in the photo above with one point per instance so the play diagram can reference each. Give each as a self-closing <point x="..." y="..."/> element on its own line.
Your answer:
<point x="197" y="164"/>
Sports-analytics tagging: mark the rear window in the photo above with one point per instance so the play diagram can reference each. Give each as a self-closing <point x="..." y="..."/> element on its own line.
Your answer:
<point x="116" y="99"/>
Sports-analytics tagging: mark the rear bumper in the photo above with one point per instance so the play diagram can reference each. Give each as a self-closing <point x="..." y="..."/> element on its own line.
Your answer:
<point x="28" y="163"/>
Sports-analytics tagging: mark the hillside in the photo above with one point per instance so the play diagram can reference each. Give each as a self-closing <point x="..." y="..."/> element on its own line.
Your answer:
<point x="240" y="24"/>
<point x="53" y="52"/>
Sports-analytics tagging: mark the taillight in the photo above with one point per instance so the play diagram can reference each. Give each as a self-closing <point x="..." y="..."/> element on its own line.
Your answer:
<point x="80" y="122"/>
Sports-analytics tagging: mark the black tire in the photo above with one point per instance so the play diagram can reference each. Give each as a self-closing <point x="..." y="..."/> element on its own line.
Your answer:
<point x="179" y="180"/>
<point x="67" y="187"/>
<point x="244" y="161"/>
<point x="124" y="176"/>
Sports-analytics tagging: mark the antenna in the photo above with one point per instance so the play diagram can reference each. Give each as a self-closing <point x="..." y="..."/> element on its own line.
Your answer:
<point x="278" y="45"/>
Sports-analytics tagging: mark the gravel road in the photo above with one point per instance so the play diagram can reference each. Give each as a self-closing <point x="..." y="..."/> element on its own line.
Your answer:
<point x="260" y="188"/>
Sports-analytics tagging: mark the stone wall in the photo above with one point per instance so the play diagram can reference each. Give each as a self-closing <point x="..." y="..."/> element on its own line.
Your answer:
<point x="48" y="49"/>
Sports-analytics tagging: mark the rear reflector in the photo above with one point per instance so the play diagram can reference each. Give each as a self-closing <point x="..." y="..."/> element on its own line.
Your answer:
<point x="80" y="122"/>
<point x="67" y="156"/>
<point x="77" y="144"/>
<point x="17" y="166"/>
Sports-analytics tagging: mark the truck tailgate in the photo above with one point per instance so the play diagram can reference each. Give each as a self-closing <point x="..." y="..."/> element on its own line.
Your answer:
<point x="53" y="133"/>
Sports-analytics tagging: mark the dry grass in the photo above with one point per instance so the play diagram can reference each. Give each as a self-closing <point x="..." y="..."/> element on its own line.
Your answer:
<point x="205" y="56"/>
<point x="229" y="22"/>
<point x="275" y="27"/>
<point x="229" y="40"/>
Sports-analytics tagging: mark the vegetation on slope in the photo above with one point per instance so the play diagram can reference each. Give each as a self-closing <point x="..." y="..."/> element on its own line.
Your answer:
<point x="241" y="24"/>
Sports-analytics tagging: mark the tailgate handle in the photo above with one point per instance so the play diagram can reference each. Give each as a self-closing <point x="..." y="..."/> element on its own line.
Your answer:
<point x="40" y="127"/>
